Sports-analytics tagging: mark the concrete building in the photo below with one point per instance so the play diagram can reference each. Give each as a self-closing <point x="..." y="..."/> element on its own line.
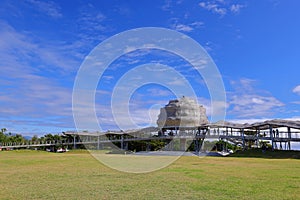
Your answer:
<point x="184" y="112"/>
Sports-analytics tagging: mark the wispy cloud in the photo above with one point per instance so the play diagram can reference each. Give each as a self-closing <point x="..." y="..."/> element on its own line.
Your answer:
<point x="167" y="5"/>
<point x="186" y="27"/>
<point x="236" y="8"/>
<point x="91" y="25"/>
<point x="244" y="85"/>
<point x="50" y="8"/>
<point x="247" y="101"/>
<point x="35" y="95"/>
<point x="35" y="126"/>
<point x="90" y="19"/>
<point x="33" y="73"/>
<point x="297" y="89"/>
<point x="159" y="92"/>
<point x="213" y="7"/>
<point x="254" y="105"/>
<point x="213" y="108"/>
<point x="220" y="7"/>
<point x="142" y="112"/>
<point x="20" y="52"/>
<point x="183" y="27"/>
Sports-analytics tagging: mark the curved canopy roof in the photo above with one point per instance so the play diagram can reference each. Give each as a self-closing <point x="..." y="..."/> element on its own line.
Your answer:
<point x="275" y="123"/>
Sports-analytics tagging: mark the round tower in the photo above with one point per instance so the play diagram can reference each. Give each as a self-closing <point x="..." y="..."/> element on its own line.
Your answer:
<point x="184" y="112"/>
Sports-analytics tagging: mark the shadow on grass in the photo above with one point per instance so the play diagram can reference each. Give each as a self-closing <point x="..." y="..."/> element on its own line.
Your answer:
<point x="276" y="154"/>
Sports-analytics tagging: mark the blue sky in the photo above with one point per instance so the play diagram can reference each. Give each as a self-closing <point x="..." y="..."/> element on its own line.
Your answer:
<point x="254" y="44"/>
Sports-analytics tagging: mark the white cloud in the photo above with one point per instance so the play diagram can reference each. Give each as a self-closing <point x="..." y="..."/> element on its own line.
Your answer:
<point x="297" y="89"/>
<point x="103" y="92"/>
<point x="221" y="7"/>
<point x="177" y="82"/>
<point x="91" y="25"/>
<point x="236" y="8"/>
<point x="215" y="108"/>
<point x="130" y="115"/>
<point x="244" y="84"/>
<point x="254" y="105"/>
<point x="19" y="53"/>
<point x="213" y="7"/>
<point x="247" y="101"/>
<point x="32" y="74"/>
<point x="48" y="7"/>
<point x="36" y="96"/>
<point x="184" y="28"/>
<point x="106" y="77"/>
<point x="197" y="24"/>
<point x="167" y="5"/>
<point x="258" y="100"/>
<point x="159" y="92"/>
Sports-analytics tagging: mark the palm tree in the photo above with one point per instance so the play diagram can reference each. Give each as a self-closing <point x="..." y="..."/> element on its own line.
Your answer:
<point x="3" y="130"/>
<point x="35" y="139"/>
<point x="3" y="137"/>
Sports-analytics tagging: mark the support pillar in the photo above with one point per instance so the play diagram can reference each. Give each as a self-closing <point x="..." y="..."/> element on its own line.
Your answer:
<point x="243" y="138"/>
<point x="182" y="144"/>
<point x="122" y="141"/>
<point x="271" y="135"/>
<point x="202" y="145"/>
<point x="290" y="137"/>
<point x="257" y="137"/>
<point x="172" y="145"/>
<point x="126" y="146"/>
<point x="74" y="141"/>
<point x="197" y="145"/>
<point x="148" y="148"/>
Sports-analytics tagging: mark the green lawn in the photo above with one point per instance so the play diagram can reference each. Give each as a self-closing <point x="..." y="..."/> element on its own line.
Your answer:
<point x="77" y="175"/>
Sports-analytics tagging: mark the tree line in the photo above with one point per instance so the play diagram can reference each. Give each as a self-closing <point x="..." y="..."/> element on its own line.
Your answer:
<point x="8" y="137"/>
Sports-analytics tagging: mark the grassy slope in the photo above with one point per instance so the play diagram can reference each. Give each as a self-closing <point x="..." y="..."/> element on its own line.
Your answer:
<point x="77" y="175"/>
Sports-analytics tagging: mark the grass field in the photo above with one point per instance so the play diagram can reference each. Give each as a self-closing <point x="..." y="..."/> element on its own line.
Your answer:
<point x="77" y="175"/>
